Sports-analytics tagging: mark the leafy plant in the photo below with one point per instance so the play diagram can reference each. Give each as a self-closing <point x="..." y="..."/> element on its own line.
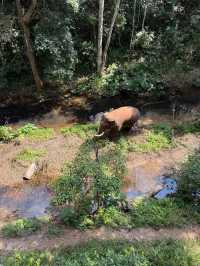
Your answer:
<point x="189" y="178"/>
<point x="21" y="227"/>
<point x="88" y="184"/>
<point x="6" y="134"/>
<point x="113" y="217"/>
<point x="144" y="253"/>
<point x="162" y="213"/>
<point x="68" y="216"/>
<point x="30" y="154"/>
<point x="33" y="132"/>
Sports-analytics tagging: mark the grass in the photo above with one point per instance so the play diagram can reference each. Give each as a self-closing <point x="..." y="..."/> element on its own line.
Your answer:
<point x="30" y="155"/>
<point x="33" y="132"/>
<point x="27" y="131"/>
<point x="162" y="213"/>
<point x="21" y="227"/>
<point x="113" y="253"/>
<point x="81" y="130"/>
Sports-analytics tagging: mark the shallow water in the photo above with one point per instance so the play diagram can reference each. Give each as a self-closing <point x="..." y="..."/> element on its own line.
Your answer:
<point x="25" y="202"/>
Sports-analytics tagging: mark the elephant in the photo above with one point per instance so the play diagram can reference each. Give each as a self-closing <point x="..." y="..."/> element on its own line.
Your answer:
<point x="116" y="120"/>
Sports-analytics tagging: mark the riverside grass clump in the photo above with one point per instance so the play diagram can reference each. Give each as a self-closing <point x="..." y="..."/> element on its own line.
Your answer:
<point x="81" y="130"/>
<point x="29" y="131"/>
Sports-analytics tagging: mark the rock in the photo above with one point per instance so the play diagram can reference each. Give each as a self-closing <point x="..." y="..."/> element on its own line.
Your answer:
<point x="30" y="171"/>
<point x="170" y="188"/>
<point x="96" y="118"/>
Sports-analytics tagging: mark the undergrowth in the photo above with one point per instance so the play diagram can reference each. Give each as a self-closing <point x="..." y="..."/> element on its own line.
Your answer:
<point x="21" y="227"/>
<point x="27" y="131"/>
<point x="113" y="253"/>
<point x="82" y="130"/>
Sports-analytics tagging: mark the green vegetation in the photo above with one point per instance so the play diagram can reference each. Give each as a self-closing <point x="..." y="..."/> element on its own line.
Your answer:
<point x="159" y="213"/>
<point x="33" y="132"/>
<point x="113" y="217"/>
<point x="185" y="128"/>
<point x="53" y="230"/>
<point x="189" y="178"/>
<point x="30" y="155"/>
<point x="6" y="134"/>
<point x="21" y="227"/>
<point x="115" y="253"/>
<point x="27" y="131"/>
<point x="158" y="138"/>
<point x="88" y="184"/>
<point x="82" y="130"/>
<point x="153" y="142"/>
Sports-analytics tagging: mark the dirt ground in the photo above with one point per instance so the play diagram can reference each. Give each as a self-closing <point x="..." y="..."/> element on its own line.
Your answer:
<point x="71" y="238"/>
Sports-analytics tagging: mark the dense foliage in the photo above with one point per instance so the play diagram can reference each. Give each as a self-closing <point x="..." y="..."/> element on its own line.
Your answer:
<point x="165" y="40"/>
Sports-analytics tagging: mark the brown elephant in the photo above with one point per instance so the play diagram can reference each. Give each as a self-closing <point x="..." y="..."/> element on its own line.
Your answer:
<point x="116" y="120"/>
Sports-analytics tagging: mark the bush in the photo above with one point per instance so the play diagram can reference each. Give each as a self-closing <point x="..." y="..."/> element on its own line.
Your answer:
<point x="6" y="134"/>
<point x="112" y="217"/>
<point x="156" y="213"/>
<point x="189" y="178"/>
<point x="136" y="77"/>
<point x="21" y="227"/>
<point x="88" y="184"/>
<point x="69" y="217"/>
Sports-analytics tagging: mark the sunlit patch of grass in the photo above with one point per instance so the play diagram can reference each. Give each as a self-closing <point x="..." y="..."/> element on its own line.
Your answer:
<point x="33" y="132"/>
<point x="21" y="227"/>
<point x="81" y="130"/>
<point x="30" y="155"/>
<point x="116" y="253"/>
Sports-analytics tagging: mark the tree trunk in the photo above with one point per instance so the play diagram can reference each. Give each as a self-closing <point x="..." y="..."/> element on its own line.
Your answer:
<point x="145" y="13"/>
<point x="133" y="26"/>
<point x="24" y="20"/>
<point x="104" y="57"/>
<point x="100" y="36"/>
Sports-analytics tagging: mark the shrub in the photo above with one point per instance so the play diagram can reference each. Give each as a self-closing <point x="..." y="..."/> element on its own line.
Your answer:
<point x="112" y="217"/>
<point x="88" y="184"/>
<point x="156" y="213"/>
<point x="189" y="178"/>
<point x="6" y="134"/>
<point x="68" y="216"/>
<point x="21" y="227"/>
